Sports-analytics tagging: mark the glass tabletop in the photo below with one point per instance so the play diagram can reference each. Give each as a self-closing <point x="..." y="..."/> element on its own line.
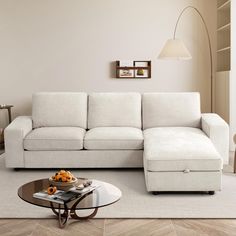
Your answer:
<point x="104" y="195"/>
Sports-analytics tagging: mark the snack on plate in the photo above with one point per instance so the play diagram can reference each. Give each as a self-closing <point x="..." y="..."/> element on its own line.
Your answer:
<point x="63" y="176"/>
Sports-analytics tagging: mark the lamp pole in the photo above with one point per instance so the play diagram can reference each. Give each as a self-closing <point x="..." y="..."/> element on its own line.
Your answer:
<point x="209" y="44"/>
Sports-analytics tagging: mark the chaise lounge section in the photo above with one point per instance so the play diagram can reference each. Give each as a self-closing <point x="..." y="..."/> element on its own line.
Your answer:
<point x="178" y="154"/>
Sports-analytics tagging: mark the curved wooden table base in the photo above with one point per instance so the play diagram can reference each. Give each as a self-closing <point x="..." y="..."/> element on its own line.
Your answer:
<point x="63" y="217"/>
<point x="74" y="215"/>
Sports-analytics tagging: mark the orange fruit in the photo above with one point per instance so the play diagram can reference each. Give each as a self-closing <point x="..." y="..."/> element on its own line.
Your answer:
<point x="59" y="178"/>
<point x="51" y="190"/>
<point x="63" y="178"/>
<point x="69" y="178"/>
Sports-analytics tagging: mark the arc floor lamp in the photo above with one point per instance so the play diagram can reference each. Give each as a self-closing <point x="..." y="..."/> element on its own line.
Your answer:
<point x="175" y="49"/>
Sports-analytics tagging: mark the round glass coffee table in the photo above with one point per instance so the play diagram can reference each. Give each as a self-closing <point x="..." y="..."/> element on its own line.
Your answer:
<point x="105" y="194"/>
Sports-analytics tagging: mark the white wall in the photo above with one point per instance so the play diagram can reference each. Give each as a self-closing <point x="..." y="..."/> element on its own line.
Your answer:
<point x="69" y="45"/>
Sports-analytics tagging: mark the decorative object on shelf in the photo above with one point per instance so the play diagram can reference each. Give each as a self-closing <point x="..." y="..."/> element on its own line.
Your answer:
<point x="175" y="48"/>
<point x="8" y="108"/>
<point x="125" y="73"/>
<point x="141" y="72"/>
<point x="133" y="69"/>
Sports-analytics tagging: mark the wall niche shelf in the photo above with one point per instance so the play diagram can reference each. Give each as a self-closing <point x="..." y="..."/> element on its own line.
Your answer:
<point x="224" y="82"/>
<point x="133" y="69"/>
<point x="223" y="35"/>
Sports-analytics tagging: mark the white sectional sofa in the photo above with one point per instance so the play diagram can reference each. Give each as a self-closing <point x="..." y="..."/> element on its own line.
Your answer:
<point x="179" y="148"/>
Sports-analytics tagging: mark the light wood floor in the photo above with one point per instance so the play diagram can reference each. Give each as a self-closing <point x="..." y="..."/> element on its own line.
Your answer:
<point x="119" y="227"/>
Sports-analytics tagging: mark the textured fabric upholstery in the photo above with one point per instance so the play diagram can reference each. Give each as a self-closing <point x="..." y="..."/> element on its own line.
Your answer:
<point x="180" y="181"/>
<point x="176" y="137"/>
<point x="114" y="109"/>
<point x="171" y="109"/>
<point x="179" y="148"/>
<point x="14" y="135"/>
<point x="59" y="109"/>
<point x="116" y="138"/>
<point x="218" y="131"/>
<point x="84" y="159"/>
<point x="55" y="138"/>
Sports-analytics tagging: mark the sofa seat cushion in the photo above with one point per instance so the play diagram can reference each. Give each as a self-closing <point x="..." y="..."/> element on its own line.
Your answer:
<point x="179" y="149"/>
<point x="117" y="138"/>
<point x="55" y="138"/>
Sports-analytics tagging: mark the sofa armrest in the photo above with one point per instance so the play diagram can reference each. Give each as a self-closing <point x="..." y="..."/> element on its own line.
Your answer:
<point x="14" y="135"/>
<point x="218" y="131"/>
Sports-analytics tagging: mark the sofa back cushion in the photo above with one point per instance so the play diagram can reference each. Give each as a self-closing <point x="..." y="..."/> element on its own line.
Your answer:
<point x="114" y="110"/>
<point x="171" y="109"/>
<point x="51" y="109"/>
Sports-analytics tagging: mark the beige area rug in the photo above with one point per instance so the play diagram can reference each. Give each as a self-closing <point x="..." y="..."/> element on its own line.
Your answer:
<point x="135" y="202"/>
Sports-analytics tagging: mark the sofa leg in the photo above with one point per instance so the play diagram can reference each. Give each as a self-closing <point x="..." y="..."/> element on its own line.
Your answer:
<point x="155" y="193"/>
<point x="211" y="192"/>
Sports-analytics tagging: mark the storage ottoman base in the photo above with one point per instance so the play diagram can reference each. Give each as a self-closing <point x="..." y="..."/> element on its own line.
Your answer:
<point x="180" y="181"/>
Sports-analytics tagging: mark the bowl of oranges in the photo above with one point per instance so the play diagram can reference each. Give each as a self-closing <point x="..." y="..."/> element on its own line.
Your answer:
<point x="63" y="180"/>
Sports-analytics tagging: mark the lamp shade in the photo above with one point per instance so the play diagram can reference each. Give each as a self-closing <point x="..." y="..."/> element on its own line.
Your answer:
<point x="175" y="49"/>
